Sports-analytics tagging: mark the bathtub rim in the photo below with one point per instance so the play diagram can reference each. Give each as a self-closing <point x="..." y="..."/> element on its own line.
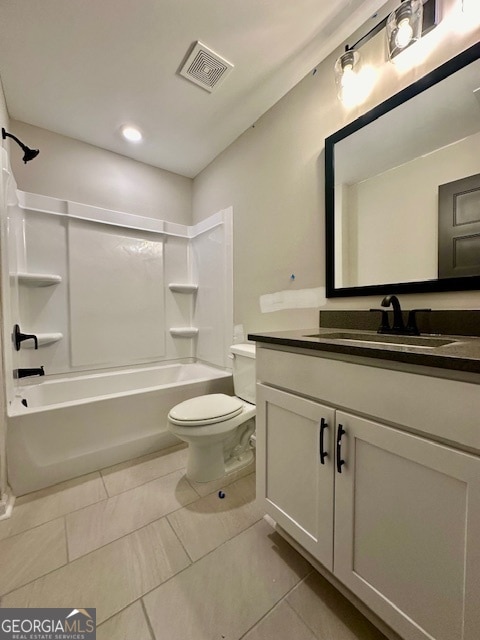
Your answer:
<point x="16" y="411"/>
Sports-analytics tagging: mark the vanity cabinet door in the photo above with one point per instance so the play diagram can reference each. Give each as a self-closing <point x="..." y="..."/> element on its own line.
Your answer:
<point x="295" y="468"/>
<point x="407" y="530"/>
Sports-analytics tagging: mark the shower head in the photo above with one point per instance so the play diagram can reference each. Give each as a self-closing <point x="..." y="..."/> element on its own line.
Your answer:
<point x="28" y="154"/>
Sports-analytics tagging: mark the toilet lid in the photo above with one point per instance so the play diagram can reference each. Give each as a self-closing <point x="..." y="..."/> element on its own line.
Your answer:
<point x="213" y="407"/>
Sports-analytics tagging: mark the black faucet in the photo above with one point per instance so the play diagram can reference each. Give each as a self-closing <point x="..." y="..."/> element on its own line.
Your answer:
<point x="19" y="337"/>
<point x="398" y="326"/>
<point x="24" y="373"/>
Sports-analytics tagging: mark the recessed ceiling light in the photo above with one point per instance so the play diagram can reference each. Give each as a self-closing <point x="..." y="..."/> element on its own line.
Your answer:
<point x="132" y="134"/>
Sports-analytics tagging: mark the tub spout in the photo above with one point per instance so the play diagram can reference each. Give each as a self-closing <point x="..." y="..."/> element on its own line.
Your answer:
<point x="24" y="373"/>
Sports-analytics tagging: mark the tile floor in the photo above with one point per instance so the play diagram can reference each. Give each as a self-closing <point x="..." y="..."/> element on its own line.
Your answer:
<point x="163" y="558"/>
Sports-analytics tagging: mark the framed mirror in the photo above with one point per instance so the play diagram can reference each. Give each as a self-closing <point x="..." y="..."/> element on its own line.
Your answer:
<point x="402" y="189"/>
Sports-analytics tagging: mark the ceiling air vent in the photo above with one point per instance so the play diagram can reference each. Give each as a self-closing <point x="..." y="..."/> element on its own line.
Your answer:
<point x="205" y="67"/>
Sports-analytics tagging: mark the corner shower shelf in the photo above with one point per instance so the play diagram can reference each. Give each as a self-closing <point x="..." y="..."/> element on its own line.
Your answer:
<point x="38" y="279"/>
<point x="43" y="339"/>
<point x="183" y="332"/>
<point x="183" y="288"/>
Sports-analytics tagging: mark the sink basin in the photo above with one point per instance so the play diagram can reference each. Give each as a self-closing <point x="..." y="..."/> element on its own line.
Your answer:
<point x="378" y="338"/>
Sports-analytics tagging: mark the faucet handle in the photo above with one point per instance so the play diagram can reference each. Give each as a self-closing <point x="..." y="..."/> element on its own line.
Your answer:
<point x="411" y="327"/>
<point x="384" y="325"/>
<point x="19" y="337"/>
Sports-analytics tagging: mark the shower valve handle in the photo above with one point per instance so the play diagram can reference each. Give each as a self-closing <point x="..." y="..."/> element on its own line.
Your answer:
<point x="19" y="337"/>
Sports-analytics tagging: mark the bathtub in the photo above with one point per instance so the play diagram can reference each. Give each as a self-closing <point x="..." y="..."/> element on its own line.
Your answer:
<point x="75" y="425"/>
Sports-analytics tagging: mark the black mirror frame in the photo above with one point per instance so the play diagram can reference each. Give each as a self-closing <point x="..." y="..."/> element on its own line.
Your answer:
<point x="446" y="284"/>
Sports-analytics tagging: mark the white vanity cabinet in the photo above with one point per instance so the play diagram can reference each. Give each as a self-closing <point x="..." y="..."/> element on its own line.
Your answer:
<point x="398" y="523"/>
<point x="297" y="482"/>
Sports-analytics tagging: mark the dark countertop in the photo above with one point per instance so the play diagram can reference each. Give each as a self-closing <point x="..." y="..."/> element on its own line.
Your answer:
<point x="462" y="354"/>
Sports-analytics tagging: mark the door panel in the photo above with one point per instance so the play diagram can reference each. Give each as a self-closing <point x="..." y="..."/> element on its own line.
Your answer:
<point x="404" y="520"/>
<point x="296" y="486"/>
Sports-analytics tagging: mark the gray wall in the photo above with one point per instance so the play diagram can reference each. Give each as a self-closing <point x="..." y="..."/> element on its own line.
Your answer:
<point x="4" y="121"/>
<point x="72" y="170"/>
<point x="273" y="176"/>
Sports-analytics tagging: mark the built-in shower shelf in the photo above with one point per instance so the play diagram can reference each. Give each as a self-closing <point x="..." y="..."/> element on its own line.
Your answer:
<point x="43" y="339"/>
<point x="37" y="279"/>
<point x="183" y="288"/>
<point x="184" y="332"/>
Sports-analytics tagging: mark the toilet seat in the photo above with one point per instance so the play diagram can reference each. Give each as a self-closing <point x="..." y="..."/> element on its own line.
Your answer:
<point x="207" y="409"/>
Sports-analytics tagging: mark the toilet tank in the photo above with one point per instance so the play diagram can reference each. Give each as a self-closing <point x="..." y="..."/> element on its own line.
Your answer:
<point x="244" y="378"/>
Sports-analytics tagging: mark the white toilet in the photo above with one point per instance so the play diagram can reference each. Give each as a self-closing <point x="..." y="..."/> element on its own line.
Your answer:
<point x="218" y="427"/>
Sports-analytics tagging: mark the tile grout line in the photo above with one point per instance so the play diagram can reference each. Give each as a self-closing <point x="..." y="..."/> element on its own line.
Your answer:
<point x="56" y="517"/>
<point x="99" y="476"/>
<point x="80" y="557"/>
<point x="108" y="496"/>
<point x="191" y="485"/>
<point x="151" y="456"/>
<point x="141" y="597"/>
<point x="301" y="619"/>
<point x="146" y="592"/>
<point x="37" y="526"/>
<point x="199" y="559"/>
<point x="70" y="561"/>
<point x="104" y="485"/>
<point x="149" y="624"/>
<point x="178" y="538"/>
<point x="66" y="538"/>
<point x="127" y="606"/>
<point x="142" y="484"/>
<point x="102" y="547"/>
<point x="277" y="604"/>
<point x="165" y="515"/>
<point x="143" y="526"/>
<point x="130" y="533"/>
<point x="65" y="564"/>
<point x="220" y="488"/>
<point x="304" y="579"/>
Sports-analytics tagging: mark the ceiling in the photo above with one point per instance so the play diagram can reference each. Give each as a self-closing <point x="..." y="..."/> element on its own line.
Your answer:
<point x="83" y="68"/>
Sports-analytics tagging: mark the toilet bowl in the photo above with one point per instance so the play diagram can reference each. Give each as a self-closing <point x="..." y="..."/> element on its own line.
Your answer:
<point x="218" y="427"/>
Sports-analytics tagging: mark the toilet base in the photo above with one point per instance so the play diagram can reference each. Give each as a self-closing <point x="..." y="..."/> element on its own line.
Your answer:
<point x="217" y="448"/>
<point x="235" y="464"/>
<point x="206" y="463"/>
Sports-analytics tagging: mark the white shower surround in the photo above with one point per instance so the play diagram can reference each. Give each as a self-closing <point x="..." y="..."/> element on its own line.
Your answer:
<point x="88" y="416"/>
<point x="48" y="235"/>
<point x="75" y="425"/>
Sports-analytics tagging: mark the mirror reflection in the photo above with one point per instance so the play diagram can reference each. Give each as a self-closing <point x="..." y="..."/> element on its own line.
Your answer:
<point x="406" y="189"/>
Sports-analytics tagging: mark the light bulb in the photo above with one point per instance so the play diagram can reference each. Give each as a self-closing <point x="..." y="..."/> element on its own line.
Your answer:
<point x="404" y="26"/>
<point x="132" y="134"/>
<point x="404" y="34"/>
<point x="348" y="75"/>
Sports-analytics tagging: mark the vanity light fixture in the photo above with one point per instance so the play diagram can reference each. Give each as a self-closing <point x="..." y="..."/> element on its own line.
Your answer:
<point x="404" y="26"/>
<point x="346" y="70"/>
<point x="130" y="133"/>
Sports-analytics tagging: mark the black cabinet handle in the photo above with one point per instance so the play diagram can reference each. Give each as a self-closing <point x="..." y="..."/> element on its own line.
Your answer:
<point x="340" y="462"/>
<point x="323" y="453"/>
